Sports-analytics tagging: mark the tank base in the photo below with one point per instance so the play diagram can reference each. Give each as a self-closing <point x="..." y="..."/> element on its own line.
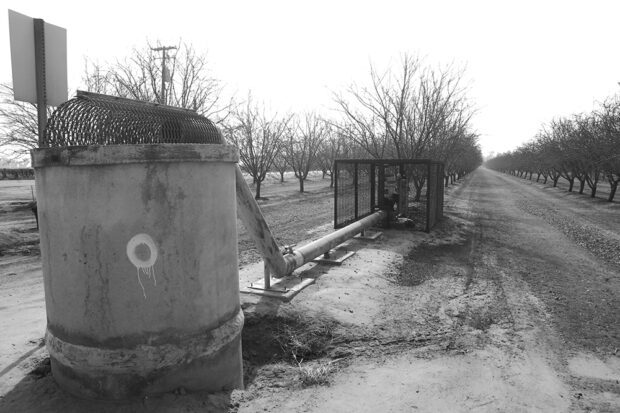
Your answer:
<point x="209" y="362"/>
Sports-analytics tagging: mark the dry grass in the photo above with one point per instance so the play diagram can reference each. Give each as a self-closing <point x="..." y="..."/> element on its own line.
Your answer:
<point x="290" y="337"/>
<point x="316" y="374"/>
<point x="304" y="337"/>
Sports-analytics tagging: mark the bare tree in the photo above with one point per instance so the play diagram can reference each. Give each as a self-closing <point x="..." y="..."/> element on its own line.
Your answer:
<point x="258" y="137"/>
<point x="138" y="76"/>
<point x="333" y="147"/>
<point x="609" y="115"/>
<point x="584" y="147"/>
<point x="412" y="112"/>
<point x="405" y="113"/>
<point x="280" y="164"/>
<point x="303" y="143"/>
<point x="18" y="124"/>
<point x="375" y="115"/>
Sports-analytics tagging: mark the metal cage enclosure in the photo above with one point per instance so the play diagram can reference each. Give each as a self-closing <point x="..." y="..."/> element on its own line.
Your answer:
<point x="360" y="186"/>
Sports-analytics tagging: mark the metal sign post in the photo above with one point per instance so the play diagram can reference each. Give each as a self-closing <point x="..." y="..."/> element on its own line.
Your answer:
<point x="39" y="63"/>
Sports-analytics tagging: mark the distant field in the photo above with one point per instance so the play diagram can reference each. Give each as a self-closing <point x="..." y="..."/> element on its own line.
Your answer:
<point x="18" y="190"/>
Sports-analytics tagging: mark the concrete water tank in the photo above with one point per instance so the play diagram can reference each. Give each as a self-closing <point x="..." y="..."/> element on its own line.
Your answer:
<point x="139" y="255"/>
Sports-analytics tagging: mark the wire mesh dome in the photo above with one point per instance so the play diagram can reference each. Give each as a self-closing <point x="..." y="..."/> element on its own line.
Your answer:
<point x="94" y="119"/>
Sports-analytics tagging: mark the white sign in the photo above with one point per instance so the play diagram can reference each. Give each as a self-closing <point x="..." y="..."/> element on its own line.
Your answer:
<point x="21" y="30"/>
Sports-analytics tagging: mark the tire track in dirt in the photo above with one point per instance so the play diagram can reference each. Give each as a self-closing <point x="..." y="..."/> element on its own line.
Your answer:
<point x="558" y="247"/>
<point x="484" y="298"/>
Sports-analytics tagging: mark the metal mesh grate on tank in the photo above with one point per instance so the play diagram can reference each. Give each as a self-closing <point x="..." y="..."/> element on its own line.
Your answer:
<point x="94" y="119"/>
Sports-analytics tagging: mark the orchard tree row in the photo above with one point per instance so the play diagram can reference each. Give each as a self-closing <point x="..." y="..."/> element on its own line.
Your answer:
<point x="583" y="149"/>
<point x="410" y="111"/>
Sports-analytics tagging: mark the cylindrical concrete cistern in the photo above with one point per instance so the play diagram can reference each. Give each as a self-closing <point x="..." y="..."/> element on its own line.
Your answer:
<point x="139" y="254"/>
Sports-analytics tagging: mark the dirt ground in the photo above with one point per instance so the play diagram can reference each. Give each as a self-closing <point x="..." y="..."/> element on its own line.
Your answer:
<point x="511" y="304"/>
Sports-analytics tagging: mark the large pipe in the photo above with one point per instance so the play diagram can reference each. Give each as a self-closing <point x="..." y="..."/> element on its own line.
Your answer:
<point x="282" y="265"/>
<point x="250" y="214"/>
<point x="310" y="251"/>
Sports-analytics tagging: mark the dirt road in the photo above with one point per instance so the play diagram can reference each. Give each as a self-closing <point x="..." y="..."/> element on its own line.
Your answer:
<point x="511" y="304"/>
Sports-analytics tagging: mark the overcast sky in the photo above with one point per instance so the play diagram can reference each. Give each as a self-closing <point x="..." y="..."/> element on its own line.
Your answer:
<point x="526" y="61"/>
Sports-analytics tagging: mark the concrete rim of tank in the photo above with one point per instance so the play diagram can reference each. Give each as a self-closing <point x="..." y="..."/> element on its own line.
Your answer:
<point x="126" y="154"/>
<point x="145" y="357"/>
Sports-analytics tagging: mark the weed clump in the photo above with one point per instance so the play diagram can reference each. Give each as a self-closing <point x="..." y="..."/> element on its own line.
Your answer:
<point x="305" y="337"/>
<point x="481" y="320"/>
<point x="315" y="375"/>
<point x="293" y="338"/>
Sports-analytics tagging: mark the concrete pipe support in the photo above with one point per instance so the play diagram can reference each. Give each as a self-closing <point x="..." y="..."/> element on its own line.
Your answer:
<point x="139" y="253"/>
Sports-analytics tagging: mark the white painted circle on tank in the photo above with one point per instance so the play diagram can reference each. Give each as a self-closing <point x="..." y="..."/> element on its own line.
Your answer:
<point x="137" y="241"/>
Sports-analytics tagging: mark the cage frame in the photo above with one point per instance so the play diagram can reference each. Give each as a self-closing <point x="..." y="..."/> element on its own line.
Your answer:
<point x="434" y="192"/>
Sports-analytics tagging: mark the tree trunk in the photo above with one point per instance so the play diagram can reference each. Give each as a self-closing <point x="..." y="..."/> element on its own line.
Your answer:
<point x="538" y="176"/>
<point x="612" y="193"/>
<point x="571" y="183"/>
<point x="281" y="177"/>
<point x="331" y="182"/>
<point x="445" y="178"/>
<point x="419" y="183"/>
<point x="301" y="185"/>
<point x="555" y="181"/>
<point x="257" y="189"/>
<point x="593" y="183"/>
<point x="582" y="184"/>
<point x="545" y="181"/>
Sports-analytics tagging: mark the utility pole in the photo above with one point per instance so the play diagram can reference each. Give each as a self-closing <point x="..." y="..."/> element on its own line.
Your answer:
<point x="164" y="57"/>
